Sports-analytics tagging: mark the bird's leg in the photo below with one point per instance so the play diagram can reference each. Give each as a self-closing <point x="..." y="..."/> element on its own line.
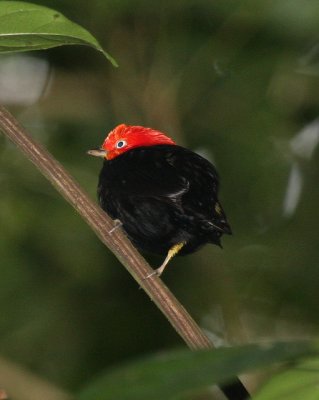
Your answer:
<point x="171" y="253"/>
<point x="117" y="224"/>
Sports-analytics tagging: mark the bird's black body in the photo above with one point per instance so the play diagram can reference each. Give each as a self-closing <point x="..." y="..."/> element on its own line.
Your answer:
<point x="163" y="195"/>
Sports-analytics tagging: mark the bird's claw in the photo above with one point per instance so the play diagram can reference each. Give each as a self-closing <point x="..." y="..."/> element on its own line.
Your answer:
<point x="117" y="224"/>
<point x="155" y="272"/>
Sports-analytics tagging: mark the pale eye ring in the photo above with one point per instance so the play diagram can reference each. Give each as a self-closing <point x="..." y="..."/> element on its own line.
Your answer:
<point x="120" y="144"/>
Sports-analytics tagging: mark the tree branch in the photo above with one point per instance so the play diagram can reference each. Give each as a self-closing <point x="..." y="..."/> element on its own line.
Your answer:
<point x="102" y="224"/>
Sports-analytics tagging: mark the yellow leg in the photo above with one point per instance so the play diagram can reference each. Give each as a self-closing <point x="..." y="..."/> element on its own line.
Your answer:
<point x="171" y="253"/>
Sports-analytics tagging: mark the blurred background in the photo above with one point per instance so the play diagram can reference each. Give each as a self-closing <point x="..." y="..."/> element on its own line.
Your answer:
<point x="236" y="81"/>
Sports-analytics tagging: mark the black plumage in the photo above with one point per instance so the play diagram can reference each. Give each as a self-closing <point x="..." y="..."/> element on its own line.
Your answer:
<point x="163" y="195"/>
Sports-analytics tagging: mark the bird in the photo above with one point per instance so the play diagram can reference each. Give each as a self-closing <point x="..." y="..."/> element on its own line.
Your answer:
<point x="164" y="196"/>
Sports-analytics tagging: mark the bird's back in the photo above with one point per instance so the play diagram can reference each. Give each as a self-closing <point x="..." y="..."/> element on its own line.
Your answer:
<point x="163" y="195"/>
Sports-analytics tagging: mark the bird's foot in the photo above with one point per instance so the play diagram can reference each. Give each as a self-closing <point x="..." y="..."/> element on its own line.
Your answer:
<point x="156" y="272"/>
<point x="117" y="224"/>
<point x="171" y="253"/>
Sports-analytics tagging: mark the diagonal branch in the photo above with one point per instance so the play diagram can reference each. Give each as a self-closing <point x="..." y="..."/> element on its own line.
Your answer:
<point x="117" y="242"/>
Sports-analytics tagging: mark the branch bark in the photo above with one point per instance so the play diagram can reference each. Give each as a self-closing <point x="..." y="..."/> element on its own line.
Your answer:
<point x="102" y="224"/>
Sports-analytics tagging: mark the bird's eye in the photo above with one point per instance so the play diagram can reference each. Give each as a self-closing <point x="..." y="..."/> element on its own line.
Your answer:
<point x="120" y="144"/>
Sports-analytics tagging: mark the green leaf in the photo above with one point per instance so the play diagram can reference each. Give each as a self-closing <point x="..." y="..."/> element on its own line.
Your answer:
<point x="179" y="372"/>
<point x="26" y="26"/>
<point x="298" y="383"/>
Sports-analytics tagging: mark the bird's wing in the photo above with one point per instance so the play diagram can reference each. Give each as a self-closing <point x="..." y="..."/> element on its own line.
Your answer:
<point x="202" y="197"/>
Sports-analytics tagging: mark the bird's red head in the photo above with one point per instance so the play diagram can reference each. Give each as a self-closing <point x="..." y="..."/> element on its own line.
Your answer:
<point x="126" y="137"/>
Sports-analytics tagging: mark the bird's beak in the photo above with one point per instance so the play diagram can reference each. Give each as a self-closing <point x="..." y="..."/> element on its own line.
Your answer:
<point x="97" y="153"/>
